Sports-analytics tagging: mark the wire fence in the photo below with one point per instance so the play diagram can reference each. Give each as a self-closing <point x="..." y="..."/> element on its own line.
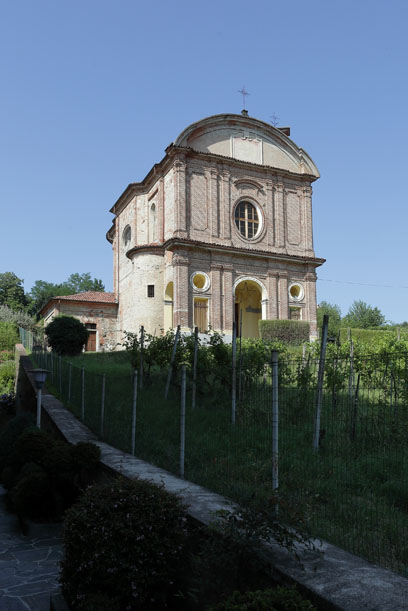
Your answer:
<point x="348" y="477"/>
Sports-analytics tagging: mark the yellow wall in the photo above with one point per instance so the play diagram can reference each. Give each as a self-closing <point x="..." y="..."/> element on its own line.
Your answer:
<point x="248" y="296"/>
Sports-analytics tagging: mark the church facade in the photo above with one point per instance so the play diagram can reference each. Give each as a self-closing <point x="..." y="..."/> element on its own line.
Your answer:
<point x="220" y="230"/>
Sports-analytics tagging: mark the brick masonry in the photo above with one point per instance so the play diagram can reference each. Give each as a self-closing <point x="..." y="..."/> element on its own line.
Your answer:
<point x="180" y="220"/>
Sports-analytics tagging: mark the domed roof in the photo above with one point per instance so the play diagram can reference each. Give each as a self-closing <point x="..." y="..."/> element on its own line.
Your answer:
<point x="247" y="139"/>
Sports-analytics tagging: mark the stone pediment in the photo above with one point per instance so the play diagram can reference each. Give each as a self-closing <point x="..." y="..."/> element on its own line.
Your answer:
<point x="247" y="139"/>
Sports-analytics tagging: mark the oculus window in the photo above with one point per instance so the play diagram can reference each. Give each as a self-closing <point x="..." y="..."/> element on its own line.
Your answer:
<point x="296" y="292"/>
<point x="200" y="281"/>
<point x="247" y="220"/>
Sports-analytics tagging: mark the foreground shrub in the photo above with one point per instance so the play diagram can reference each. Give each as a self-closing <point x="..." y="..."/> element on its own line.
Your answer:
<point x="32" y="493"/>
<point x="6" y="355"/>
<point x="124" y="541"/>
<point x="66" y="335"/>
<point x="278" y="599"/>
<point x="45" y="475"/>
<point x="10" y="434"/>
<point x="7" y="403"/>
<point x="288" y="331"/>
<point x="7" y="376"/>
<point x="231" y="556"/>
<point x="8" y="336"/>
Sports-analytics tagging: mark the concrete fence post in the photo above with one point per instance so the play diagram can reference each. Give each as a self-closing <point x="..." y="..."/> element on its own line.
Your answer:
<point x="83" y="394"/>
<point x="134" y="404"/>
<point x="182" y="419"/>
<point x="69" y="381"/>
<point x="320" y="377"/>
<point x="234" y="373"/>
<point x="103" y="403"/>
<point x="193" y="397"/>
<point x="275" y="421"/>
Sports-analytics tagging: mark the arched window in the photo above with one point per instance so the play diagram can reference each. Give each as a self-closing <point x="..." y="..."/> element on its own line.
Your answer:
<point x="247" y="219"/>
<point x="152" y="223"/>
<point x="126" y="236"/>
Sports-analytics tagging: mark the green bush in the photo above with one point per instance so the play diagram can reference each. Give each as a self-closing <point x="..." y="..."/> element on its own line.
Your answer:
<point x="10" y="434"/>
<point x="99" y="602"/>
<point x="45" y="475"/>
<point x="126" y="542"/>
<point x="32" y="446"/>
<point x="66" y="335"/>
<point x="32" y="493"/>
<point x="7" y="376"/>
<point x="8" y="336"/>
<point x="288" y="331"/>
<point x="6" y="355"/>
<point x="278" y="599"/>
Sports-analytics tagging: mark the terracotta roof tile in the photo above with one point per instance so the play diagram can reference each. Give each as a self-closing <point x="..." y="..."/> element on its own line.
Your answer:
<point x="94" y="296"/>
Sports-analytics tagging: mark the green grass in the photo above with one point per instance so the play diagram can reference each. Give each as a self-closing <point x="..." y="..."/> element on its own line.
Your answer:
<point x="353" y="491"/>
<point x="112" y="363"/>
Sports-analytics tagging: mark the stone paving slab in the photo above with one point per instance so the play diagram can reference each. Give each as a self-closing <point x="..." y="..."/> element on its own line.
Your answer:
<point x="29" y="564"/>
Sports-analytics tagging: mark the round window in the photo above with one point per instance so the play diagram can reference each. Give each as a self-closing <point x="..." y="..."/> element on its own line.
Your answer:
<point x="200" y="281"/>
<point x="247" y="219"/>
<point x="296" y="292"/>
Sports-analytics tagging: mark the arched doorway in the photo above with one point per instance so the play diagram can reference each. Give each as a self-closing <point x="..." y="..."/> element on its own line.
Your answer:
<point x="248" y="298"/>
<point x="168" y="307"/>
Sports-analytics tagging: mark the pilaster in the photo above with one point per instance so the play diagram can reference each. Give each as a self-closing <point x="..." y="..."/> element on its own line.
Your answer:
<point x="283" y="296"/>
<point x="229" y="301"/>
<point x="279" y="215"/>
<point x="180" y="195"/>
<point x="181" y="292"/>
<point x="226" y="204"/>
<point x="214" y="202"/>
<point x="216" y="298"/>
<point x="308" y="221"/>
<point x="270" y="214"/>
<point x="272" y="286"/>
<point x="160" y="211"/>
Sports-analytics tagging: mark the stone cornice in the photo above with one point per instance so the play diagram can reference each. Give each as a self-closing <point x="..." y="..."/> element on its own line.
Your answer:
<point x="174" y="243"/>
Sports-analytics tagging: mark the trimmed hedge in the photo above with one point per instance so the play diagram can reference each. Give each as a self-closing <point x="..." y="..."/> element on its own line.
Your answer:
<point x="125" y="542"/>
<point x="278" y="599"/>
<point x="10" y="434"/>
<point x="44" y="475"/>
<point x="287" y="331"/>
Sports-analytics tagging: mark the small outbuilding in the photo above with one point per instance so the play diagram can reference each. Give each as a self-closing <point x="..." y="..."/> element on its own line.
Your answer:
<point x="96" y="310"/>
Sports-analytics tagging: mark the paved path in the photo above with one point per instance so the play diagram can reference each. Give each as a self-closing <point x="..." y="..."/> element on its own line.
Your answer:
<point x="29" y="565"/>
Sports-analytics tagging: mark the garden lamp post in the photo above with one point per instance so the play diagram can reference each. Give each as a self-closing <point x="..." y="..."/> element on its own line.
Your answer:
<point x="39" y="380"/>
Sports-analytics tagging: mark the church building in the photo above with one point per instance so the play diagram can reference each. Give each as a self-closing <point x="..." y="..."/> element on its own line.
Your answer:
<point x="220" y="230"/>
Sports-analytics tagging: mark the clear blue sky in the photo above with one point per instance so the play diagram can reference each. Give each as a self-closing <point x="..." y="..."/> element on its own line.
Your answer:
<point x="93" y="91"/>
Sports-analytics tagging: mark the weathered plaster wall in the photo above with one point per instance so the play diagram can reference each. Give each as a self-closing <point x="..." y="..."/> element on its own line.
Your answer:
<point x="103" y="315"/>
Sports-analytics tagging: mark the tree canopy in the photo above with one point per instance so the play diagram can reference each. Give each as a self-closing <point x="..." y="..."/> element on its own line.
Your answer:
<point x="43" y="291"/>
<point x="361" y="315"/>
<point x="334" y="312"/>
<point x="12" y="291"/>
